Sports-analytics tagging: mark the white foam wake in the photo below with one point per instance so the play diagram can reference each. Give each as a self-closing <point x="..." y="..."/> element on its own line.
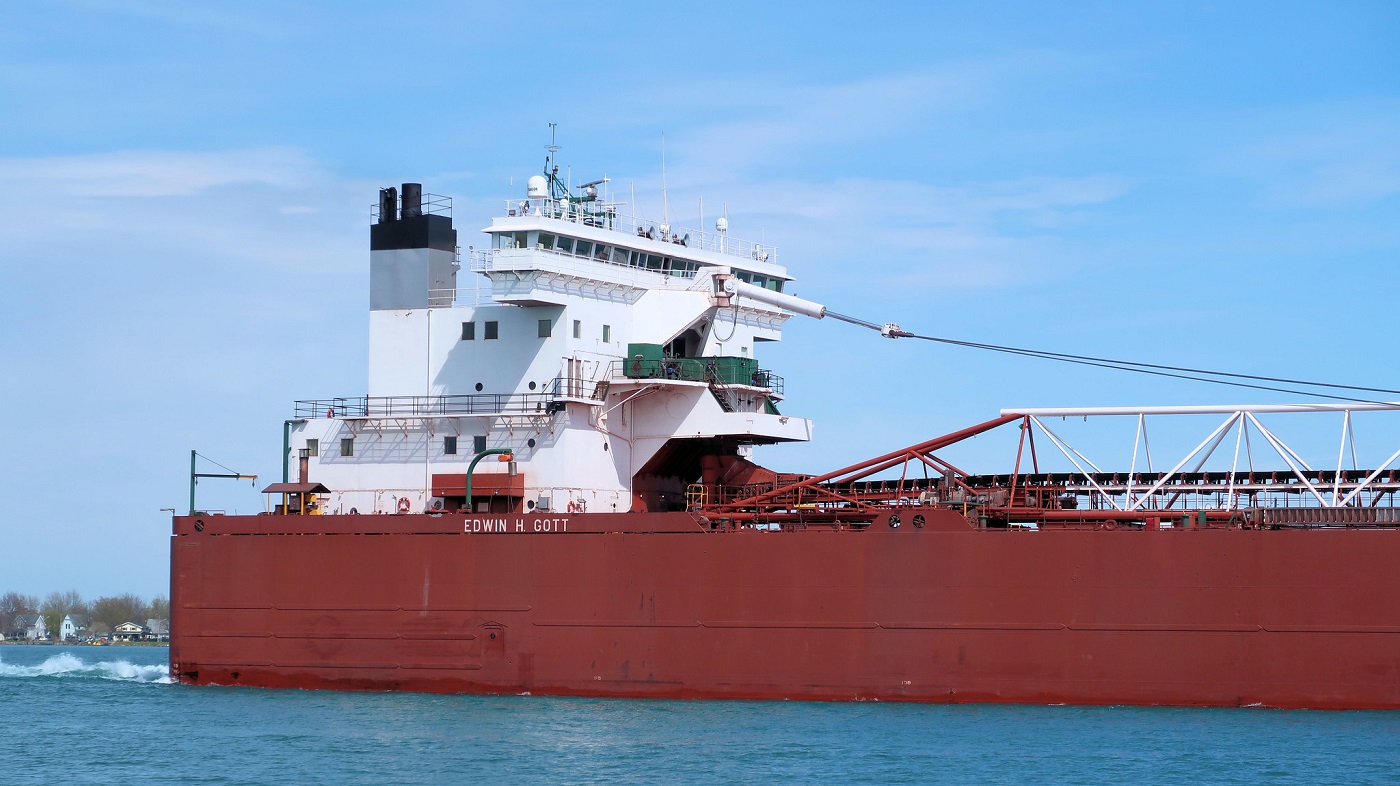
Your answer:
<point x="66" y="664"/>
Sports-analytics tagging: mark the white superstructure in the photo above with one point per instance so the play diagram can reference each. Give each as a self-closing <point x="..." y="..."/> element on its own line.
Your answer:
<point x="602" y="351"/>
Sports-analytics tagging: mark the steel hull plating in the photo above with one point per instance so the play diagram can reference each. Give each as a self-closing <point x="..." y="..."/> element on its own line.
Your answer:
<point x="656" y="605"/>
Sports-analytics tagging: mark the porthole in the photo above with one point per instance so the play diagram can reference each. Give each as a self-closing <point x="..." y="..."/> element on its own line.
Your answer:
<point x="478" y="387"/>
<point x="894" y="521"/>
<point x="918" y="521"/>
<point x="529" y="443"/>
<point x="532" y="386"/>
<point x="199" y="525"/>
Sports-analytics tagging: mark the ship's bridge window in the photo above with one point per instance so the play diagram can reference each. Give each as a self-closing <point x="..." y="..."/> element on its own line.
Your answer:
<point x="619" y="256"/>
<point x="546" y="241"/>
<point x="583" y="248"/>
<point x="760" y="281"/>
<point x="744" y="276"/>
<point x="566" y="245"/>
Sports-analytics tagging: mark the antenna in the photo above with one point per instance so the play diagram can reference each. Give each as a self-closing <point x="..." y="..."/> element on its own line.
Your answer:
<point x="552" y="147"/>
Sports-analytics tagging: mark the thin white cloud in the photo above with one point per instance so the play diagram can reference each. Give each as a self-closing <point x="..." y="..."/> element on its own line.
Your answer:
<point x="157" y="173"/>
<point x="1339" y="154"/>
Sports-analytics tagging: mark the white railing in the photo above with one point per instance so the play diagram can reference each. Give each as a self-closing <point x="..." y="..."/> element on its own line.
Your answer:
<point x="637" y="226"/>
<point x="1330" y="481"/>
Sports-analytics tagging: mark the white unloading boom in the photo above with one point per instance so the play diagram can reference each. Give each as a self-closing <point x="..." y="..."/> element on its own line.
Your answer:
<point x="731" y="287"/>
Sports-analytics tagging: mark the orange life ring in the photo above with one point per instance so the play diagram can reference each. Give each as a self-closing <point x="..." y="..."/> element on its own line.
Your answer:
<point x="403" y="504"/>
<point x="330" y="413"/>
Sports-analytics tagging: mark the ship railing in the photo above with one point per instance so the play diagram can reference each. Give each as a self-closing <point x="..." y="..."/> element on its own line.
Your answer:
<point x="696" y="370"/>
<point x="488" y="260"/>
<point x="477" y="295"/>
<point x="637" y="226"/>
<point x="432" y="205"/>
<point x="540" y="403"/>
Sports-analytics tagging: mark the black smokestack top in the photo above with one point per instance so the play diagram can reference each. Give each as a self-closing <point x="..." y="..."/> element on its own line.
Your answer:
<point x="388" y="204"/>
<point x="412" y="199"/>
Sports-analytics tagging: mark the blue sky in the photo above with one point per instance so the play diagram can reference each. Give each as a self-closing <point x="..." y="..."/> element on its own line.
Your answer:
<point x="187" y="188"/>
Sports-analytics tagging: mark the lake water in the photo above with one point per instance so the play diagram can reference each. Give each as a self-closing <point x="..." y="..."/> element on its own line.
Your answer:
<point x="110" y="715"/>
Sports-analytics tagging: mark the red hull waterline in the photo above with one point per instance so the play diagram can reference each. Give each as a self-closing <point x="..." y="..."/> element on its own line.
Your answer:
<point x="661" y="605"/>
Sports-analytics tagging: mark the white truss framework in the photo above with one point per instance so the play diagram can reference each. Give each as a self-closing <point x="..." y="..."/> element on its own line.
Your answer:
<point x="1130" y="495"/>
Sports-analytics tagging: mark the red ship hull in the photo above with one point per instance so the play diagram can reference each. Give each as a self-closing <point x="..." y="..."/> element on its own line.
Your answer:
<point x="656" y="605"/>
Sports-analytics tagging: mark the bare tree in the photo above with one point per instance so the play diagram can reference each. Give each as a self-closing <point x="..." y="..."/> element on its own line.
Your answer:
<point x="159" y="608"/>
<point x="12" y="603"/>
<point x="59" y="605"/>
<point x="113" y="610"/>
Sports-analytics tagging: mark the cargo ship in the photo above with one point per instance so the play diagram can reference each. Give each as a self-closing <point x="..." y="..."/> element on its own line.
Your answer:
<point x="550" y="487"/>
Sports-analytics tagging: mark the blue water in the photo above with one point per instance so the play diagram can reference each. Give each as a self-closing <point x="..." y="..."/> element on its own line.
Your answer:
<point x="109" y="715"/>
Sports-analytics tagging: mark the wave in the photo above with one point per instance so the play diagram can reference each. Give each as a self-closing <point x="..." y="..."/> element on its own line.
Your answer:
<point x="71" y="666"/>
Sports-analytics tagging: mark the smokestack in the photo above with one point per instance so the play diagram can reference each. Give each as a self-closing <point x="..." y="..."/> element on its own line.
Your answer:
<point x="412" y="199"/>
<point x="388" y="204"/>
<point x="303" y="466"/>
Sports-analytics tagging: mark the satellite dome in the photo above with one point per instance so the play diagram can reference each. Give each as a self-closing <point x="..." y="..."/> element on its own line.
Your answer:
<point x="537" y="187"/>
<point x="721" y="224"/>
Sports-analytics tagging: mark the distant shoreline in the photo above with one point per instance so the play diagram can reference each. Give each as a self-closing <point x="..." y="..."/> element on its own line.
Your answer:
<point x="85" y="644"/>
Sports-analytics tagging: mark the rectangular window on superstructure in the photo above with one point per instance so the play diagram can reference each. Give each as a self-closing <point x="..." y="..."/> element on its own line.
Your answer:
<point x="566" y="245"/>
<point x="583" y="248"/>
<point x="546" y="241"/>
<point x="449" y="446"/>
<point x="468" y="331"/>
<point x="578" y="329"/>
<point x="479" y="444"/>
<point x="546" y="328"/>
<point x="522" y="239"/>
<point x="347" y="446"/>
<point x="607" y="334"/>
<point x="493" y="331"/>
<point x="313" y="447"/>
<point x="619" y="256"/>
<point x="760" y="281"/>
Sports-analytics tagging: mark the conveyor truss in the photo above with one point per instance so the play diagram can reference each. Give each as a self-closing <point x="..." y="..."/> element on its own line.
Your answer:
<point x="1219" y="483"/>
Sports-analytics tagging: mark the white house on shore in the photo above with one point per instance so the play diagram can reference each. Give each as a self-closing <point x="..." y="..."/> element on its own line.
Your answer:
<point x="129" y="631"/>
<point x="27" y="626"/>
<point x="74" y="627"/>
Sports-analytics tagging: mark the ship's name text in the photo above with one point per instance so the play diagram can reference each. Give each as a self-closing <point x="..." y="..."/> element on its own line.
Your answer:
<point x="516" y="525"/>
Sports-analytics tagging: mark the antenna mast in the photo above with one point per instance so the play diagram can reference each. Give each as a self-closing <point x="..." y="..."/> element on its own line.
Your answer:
<point x="551" y="148"/>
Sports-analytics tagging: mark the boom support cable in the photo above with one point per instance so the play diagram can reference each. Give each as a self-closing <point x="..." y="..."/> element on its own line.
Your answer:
<point x="1154" y="369"/>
